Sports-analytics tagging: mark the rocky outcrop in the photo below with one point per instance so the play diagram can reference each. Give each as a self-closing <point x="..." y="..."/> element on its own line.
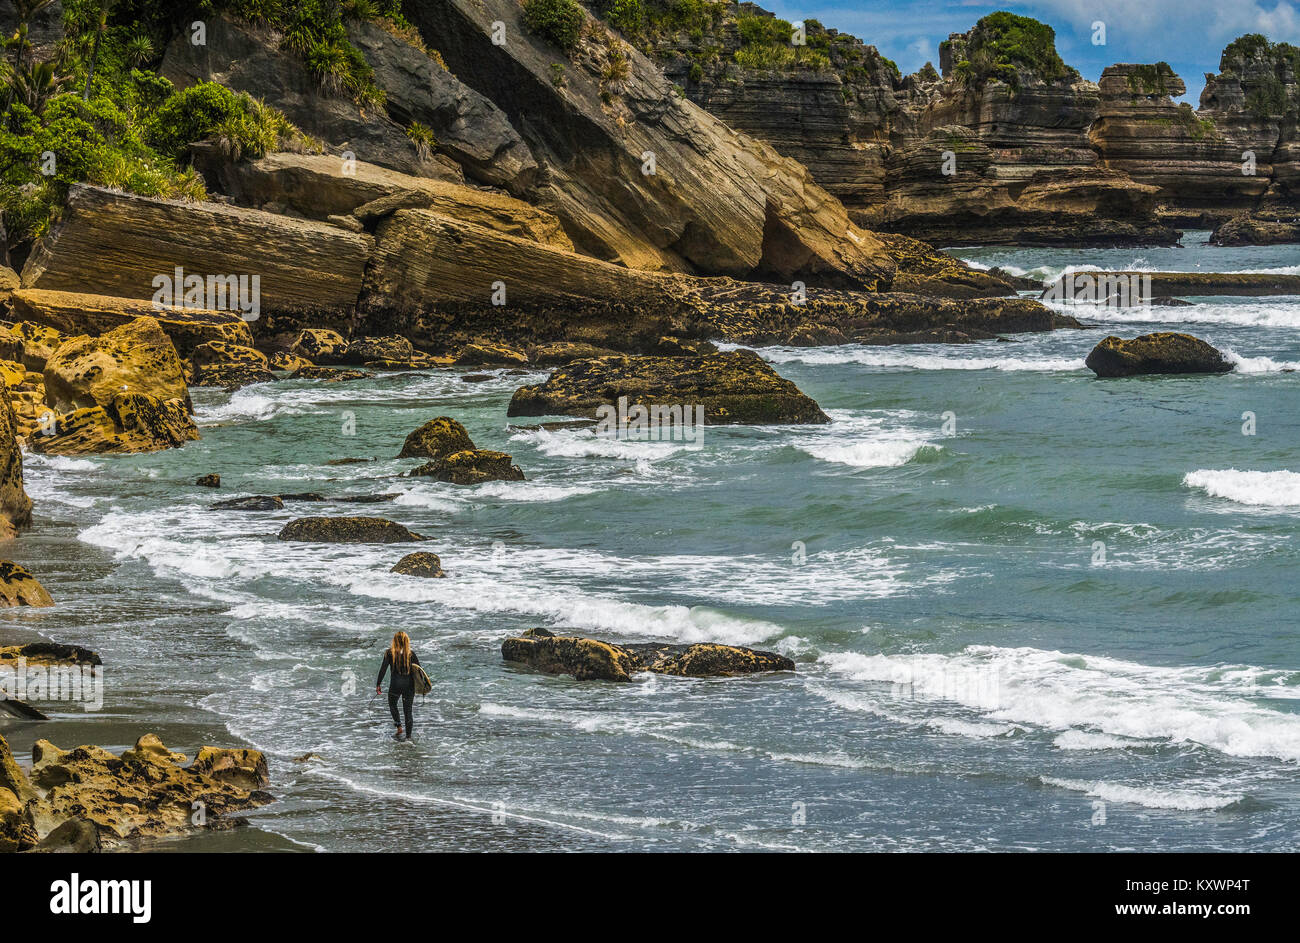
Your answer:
<point x="120" y="244"/>
<point x="712" y="199"/>
<point x="123" y="391"/>
<point x="347" y="530"/>
<point x="72" y="313"/>
<point x="753" y="313"/>
<point x="1140" y="131"/>
<point x="471" y="467"/>
<point x="15" y="506"/>
<point x="91" y="799"/>
<point x="419" y="564"/>
<point x="436" y="439"/>
<point x="255" y="502"/>
<point x="312" y="186"/>
<point x="1163" y="352"/>
<point x="19" y="588"/>
<point x="589" y="659"/>
<point x="469" y="128"/>
<point x="730" y="388"/>
<point x="1203" y="283"/>
<point x="1256" y="230"/>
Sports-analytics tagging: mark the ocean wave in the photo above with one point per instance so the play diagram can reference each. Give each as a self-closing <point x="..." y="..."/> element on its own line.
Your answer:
<point x="1259" y="364"/>
<point x="1242" y="312"/>
<point x="585" y="443"/>
<point x="920" y="357"/>
<point x="1256" y="488"/>
<point x="1151" y="797"/>
<point x="884" y="454"/>
<point x="1212" y="707"/>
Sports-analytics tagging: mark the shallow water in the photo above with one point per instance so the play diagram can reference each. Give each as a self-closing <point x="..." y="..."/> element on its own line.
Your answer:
<point x="1062" y="622"/>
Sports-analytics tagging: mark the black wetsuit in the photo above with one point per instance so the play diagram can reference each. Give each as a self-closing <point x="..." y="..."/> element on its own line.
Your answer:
<point x="402" y="685"/>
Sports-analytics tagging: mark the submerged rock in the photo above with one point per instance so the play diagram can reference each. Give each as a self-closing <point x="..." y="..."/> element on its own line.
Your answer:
<point x="736" y="387"/>
<point x="211" y="480"/>
<point x="50" y="653"/>
<point x="19" y="588"/>
<point x="591" y="659"/>
<point x="472" y="467"/>
<point x="329" y="374"/>
<point x="256" y="502"/>
<point x="78" y="800"/>
<point x="1163" y="352"/>
<point x="347" y="530"/>
<point x="436" y="439"/>
<point x="419" y="564"/>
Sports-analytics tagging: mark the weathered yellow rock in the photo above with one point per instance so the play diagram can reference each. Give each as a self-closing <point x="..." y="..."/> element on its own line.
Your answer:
<point x="39" y="341"/>
<point x="15" y="506"/>
<point x="19" y="588"/>
<point x="134" y="358"/>
<point x="12" y="373"/>
<point x="145" y="791"/>
<point x="74" y="313"/>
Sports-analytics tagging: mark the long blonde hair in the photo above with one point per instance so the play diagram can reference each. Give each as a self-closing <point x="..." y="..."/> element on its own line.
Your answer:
<point x="400" y="650"/>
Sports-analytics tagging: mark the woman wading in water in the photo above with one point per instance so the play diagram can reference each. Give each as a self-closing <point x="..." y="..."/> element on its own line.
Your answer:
<point x="400" y="658"/>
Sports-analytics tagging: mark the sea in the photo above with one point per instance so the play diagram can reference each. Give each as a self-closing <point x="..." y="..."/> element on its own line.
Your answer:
<point x="1030" y="610"/>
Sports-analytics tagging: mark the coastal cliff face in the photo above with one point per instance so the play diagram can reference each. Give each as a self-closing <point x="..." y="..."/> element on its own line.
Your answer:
<point x="640" y="175"/>
<point x="1035" y="154"/>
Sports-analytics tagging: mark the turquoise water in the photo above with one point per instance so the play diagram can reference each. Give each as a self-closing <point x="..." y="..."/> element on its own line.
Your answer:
<point x="1030" y="609"/>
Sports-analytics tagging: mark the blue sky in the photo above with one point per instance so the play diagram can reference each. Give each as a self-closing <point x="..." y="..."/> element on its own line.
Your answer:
<point x="1188" y="34"/>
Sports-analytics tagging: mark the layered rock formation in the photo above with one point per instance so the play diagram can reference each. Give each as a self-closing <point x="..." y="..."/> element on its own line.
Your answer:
<point x="641" y="175"/>
<point x="119" y="244"/>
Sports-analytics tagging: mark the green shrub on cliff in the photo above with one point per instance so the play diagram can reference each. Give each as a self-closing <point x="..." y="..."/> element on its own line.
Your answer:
<point x="559" y="21"/>
<point x="243" y="127"/>
<point x="1150" y="79"/>
<point x="1268" y="94"/>
<point x="75" y="141"/>
<point x="1002" y="45"/>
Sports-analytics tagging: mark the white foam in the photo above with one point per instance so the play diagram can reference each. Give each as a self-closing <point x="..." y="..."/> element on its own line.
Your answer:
<point x="1214" y="707"/>
<point x="1259" y="364"/>
<point x="921" y="357"/>
<point x="886" y="454"/>
<point x="1152" y="797"/>
<point x="1257" y="488"/>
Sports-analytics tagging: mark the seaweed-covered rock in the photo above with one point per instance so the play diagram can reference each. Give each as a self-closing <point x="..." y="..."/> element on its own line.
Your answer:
<point x="586" y="658"/>
<point x="283" y="360"/>
<point x="472" y="467"/>
<point x="436" y="439"/>
<point x="1162" y="352"/>
<point x="255" y="502"/>
<point x="419" y="564"/>
<point x="733" y="387"/>
<point x="19" y="588"/>
<point x="329" y="374"/>
<point x="210" y="480"/>
<point x="347" y="530"/>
